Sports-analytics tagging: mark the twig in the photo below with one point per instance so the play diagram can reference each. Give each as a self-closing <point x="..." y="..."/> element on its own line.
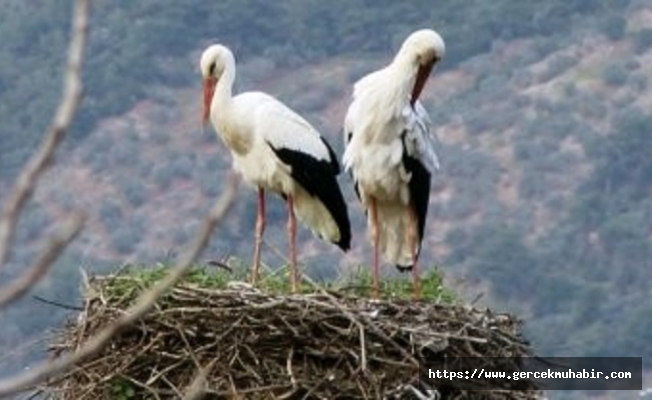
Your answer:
<point x="433" y="395"/>
<point x="220" y="264"/>
<point x="57" y="303"/>
<point x="288" y="367"/>
<point x="446" y="335"/>
<point x="363" y="349"/>
<point x="42" y="159"/>
<point x="476" y="299"/>
<point x="196" y="388"/>
<point x="142" y="385"/>
<point x="34" y="273"/>
<point x="142" y="305"/>
<point x="36" y="393"/>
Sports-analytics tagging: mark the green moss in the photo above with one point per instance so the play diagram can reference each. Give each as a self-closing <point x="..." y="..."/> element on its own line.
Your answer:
<point x="133" y="279"/>
<point x="122" y="389"/>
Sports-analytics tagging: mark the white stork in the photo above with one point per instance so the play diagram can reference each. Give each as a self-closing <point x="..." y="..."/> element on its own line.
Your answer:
<point x="274" y="148"/>
<point x="390" y="151"/>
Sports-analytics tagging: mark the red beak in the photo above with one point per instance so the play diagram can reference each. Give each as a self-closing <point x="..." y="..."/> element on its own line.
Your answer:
<point x="422" y="76"/>
<point x="209" y="90"/>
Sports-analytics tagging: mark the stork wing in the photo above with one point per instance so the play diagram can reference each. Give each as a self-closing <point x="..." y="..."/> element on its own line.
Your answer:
<point x="282" y="128"/>
<point x="349" y="123"/>
<point x="420" y="140"/>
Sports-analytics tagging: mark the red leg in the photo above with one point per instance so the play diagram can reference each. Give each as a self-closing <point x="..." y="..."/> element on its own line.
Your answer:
<point x="260" y="228"/>
<point x="375" y="234"/>
<point x="292" y="234"/>
<point x="412" y="241"/>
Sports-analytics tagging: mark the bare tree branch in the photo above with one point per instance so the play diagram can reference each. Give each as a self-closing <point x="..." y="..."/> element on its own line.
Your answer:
<point x="41" y="160"/>
<point x="33" y="274"/>
<point x="197" y="388"/>
<point x="143" y="304"/>
<point x="23" y="190"/>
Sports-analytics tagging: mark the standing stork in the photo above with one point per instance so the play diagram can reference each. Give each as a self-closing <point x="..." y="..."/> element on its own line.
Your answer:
<point x="390" y="152"/>
<point x="274" y="148"/>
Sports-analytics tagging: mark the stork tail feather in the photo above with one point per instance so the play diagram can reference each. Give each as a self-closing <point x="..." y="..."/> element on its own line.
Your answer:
<point x="322" y="206"/>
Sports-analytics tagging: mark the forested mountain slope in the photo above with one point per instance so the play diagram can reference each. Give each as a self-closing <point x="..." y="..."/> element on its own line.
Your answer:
<point x="543" y="201"/>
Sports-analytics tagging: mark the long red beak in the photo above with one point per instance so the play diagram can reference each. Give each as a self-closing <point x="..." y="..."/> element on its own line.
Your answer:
<point x="422" y="76"/>
<point x="209" y="90"/>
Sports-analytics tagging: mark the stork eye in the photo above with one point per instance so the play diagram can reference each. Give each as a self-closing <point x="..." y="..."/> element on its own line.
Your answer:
<point x="211" y="68"/>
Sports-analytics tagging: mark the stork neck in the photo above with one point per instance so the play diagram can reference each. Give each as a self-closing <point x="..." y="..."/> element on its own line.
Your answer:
<point x="404" y="65"/>
<point x="223" y="92"/>
<point x="403" y="72"/>
<point x="227" y="125"/>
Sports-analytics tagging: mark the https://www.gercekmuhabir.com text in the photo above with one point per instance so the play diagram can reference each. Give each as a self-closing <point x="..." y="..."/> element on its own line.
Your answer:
<point x="552" y="373"/>
<point x="516" y="375"/>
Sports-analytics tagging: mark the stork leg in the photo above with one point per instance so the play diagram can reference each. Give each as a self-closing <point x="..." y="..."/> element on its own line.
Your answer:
<point x="292" y="235"/>
<point x="375" y="235"/>
<point x="260" y="228"/>
<point x="412" y="242"/>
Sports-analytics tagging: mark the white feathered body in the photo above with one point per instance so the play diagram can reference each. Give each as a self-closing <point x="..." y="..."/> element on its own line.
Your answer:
<point x="382" y="128"/>
<point x="250" y="124"/>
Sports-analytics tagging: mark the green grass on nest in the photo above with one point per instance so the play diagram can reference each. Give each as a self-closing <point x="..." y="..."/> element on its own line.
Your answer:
<point x="132" y="279"/>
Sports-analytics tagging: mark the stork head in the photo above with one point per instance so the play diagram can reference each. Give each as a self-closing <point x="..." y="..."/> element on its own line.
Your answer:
<point x="424" y="48"/>
<point x="212" y="64"/>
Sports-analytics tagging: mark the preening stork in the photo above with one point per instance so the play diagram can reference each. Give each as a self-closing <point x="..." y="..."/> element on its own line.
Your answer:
<point x="275" y="149"/>
<point x="391" y="153"/>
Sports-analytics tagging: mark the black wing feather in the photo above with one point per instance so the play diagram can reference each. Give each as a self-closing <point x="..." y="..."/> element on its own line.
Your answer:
<point x="318" y="178"/>
<point x="419" y="187"/>
<point x="331" y="154"/>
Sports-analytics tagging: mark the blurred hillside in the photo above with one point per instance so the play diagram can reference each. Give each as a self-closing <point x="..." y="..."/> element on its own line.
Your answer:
<point x="543" y="202"/>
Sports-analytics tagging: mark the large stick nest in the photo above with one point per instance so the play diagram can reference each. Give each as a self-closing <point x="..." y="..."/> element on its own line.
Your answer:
<point x="260" y="346"/>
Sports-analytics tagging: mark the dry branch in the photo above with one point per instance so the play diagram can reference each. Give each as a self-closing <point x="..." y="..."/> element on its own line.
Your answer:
<point x="100" y="338"/>
<point x="34" y="273"/>
<point x="42" y="159"/>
